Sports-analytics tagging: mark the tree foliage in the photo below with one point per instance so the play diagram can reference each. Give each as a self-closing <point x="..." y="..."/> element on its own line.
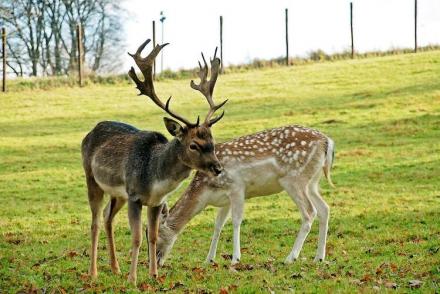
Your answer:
<point x="42" y="35"/>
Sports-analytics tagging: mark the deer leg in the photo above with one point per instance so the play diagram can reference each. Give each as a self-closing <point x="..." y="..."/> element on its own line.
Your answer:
<point x="96" y="196"/>
<point x="153" y="232"/>
<point x="323" y="211"/>
<point x="298" y="192"/>
<point x="134" y="218"/>
<point x="237" y="207"/>
<point x="115" y="204"/>
<point x="222" y="216"/>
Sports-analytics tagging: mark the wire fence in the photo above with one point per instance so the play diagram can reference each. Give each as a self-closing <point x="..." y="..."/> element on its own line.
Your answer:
<point x="286" y="59"/>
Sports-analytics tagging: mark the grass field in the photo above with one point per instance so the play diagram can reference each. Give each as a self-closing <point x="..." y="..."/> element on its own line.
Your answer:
<point x="383" y="113"/>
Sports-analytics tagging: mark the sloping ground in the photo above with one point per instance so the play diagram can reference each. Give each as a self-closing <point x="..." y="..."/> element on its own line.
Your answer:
<point x="383" y="113"/>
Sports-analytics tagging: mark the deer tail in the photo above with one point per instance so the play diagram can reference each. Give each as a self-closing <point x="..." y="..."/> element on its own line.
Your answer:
<point x="329" y="159"/>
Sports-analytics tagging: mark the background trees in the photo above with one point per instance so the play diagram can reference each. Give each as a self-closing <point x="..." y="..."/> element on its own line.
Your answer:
<point x="42" y="35"/>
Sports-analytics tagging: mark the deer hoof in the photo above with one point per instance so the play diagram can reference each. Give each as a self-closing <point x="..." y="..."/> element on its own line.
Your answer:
<point x="132" y="280"/>
<point x="93" y="274"/>
<point x="235" y="261"/>
<point x="116" y="270"/>
<point x="318" y="259"/>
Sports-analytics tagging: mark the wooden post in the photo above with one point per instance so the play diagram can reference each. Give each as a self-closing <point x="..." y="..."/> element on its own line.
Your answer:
<point x="221" y="43"/>
<point x="154" y="46"/>
<point x="80" y="54"/>
<point x="4" y="58"/>
<point x="415" y="26"/>
<point x="287" y="36"/>
<point x="351" y="28"/>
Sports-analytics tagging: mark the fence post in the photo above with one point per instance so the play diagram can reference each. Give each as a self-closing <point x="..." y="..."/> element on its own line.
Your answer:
<point x="4" y="58"/>
<point x="415" y="26"/>
<point x="80" y="54"/>
<point x="221" y="43"/>
<point x="351" y="29"/>
<point x="287" y="36"/>
<point x="154" y="46"/>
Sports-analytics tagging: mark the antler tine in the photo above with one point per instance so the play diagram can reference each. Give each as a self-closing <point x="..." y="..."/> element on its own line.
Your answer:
<point x="207" y="87"/>
<point x="146" y="87"/>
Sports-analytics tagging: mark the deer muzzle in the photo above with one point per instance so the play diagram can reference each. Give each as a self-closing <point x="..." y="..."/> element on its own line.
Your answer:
<point x="216" y="168"/>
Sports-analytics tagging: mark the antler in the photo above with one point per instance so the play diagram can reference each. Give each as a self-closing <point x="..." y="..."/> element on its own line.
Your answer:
<point x="207" y="87"/>
<point x="146" y="87"/>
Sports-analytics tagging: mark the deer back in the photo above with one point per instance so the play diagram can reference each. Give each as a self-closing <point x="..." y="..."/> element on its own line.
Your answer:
<point x="119" y="156"/>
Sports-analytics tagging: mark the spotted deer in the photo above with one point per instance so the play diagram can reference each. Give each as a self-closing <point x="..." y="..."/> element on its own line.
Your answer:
<point x="143" y="167"/>
<point x="290" y="158"/>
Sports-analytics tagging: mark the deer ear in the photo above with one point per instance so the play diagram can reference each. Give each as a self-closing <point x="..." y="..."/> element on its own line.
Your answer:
<point x="173" y="127"/>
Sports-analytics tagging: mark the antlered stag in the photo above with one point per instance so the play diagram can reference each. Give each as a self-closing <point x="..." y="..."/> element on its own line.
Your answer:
<point x="143" y="167"/>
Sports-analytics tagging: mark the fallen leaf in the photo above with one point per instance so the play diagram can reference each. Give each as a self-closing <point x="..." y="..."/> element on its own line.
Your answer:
<point x="198" y="270"/>
<point x="144" y="262"/>
<point x="243" y="267"/>
<point x="84" y="277"/>
<point x="176" y="285"/>
<point x="15" y="241"/>
<point x="74" y="221"/>
<point x="227" y="256"/>
<point x="433" y="250"/>
<point x="269" y="266"/>
<point x="199" y="273"/>
<point x="366" y="278"/>
<point x="296" y="276"/>
<point x="393" y="267"/>
<point x="32" y="289"/>
<point x="161" y="279"/>
<point x="146" y="287"/>
<point x="324" y="274"/>
<point x="414" y="283"/>
<point x="390" y="285"/>
<point x="332" y="121"/>
<point x="44" y="260"/>
<point x="172" y="286"/>
<point x="379" y="271"/>
<point x="214" y="265"/>
<point x="223" y="291"/>
<point x="72" y="253"/>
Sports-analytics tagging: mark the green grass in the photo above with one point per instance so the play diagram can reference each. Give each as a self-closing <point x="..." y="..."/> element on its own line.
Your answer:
<point x="71" y="79"/>
<point x="383" y="113"/>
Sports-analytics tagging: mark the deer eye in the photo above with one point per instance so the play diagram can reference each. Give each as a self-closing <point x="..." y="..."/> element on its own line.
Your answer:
<point x="193" y="146"/>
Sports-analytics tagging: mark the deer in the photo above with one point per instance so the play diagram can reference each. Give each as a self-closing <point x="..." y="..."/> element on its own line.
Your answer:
<point x="144" y="167"/>
<point x="290" y="158"/>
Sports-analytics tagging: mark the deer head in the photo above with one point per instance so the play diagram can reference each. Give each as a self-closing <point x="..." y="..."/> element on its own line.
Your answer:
<point x="195" y="141"/>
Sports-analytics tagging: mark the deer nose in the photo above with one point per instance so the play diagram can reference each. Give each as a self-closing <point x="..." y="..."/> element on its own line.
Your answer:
<point x="216" y="168"/>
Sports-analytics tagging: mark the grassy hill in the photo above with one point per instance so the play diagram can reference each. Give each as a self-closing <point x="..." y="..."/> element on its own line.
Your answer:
<point x="383" y="113"/>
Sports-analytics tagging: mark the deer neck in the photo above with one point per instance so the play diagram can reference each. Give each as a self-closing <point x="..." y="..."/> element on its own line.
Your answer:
<point x="170" y="162"/>
<point x="188" y="206"/>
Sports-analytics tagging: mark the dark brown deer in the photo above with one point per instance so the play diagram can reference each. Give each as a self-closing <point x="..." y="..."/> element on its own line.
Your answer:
<point x="143" y="167"/>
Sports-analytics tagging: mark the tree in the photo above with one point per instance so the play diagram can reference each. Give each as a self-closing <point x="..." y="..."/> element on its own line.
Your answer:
<point x="46" y="29"/>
